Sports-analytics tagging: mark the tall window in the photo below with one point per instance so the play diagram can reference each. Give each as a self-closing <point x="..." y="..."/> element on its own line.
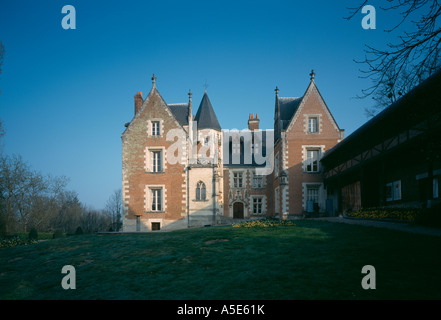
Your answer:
<point x="312" y="197"/>
<point x="312" y="194"/>
<point x="201" y="191"/>
<point x="312" y="160"/>
<point x="276" y="164"/>
<point x="156" y="161"/>
<point x="156" y="199"/>
<point x="155" y="128"/>
<point x="312" y="124"/>
<point x="237" y="179"/>
<point x="257" y="205"/>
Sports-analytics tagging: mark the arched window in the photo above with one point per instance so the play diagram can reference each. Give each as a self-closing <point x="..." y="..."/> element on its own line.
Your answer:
<point x="200" y="191"/>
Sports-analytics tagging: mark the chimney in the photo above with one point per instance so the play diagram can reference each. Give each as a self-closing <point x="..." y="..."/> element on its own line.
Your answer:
<point x="253" y="123"/>
<point x="138" y="101"/>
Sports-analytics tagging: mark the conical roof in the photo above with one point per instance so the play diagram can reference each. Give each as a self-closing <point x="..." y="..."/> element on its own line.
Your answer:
<point x="205" y="117"/>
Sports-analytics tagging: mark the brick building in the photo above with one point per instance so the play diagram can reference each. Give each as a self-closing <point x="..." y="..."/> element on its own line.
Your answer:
<point x="182" y="170"/>
<point x="304" y="129"/>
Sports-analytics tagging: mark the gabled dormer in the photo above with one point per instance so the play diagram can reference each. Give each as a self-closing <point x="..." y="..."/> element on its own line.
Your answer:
<point x="307" y="113"/>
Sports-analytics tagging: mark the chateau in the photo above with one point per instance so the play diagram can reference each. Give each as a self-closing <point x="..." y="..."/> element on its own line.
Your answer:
<point x="182" y="169"/>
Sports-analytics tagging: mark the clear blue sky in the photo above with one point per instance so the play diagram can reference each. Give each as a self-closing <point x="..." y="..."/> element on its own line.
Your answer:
<point x="66" y="94"/>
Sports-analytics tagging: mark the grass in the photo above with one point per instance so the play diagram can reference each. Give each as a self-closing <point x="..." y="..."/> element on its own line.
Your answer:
<point x="312" y="260"/>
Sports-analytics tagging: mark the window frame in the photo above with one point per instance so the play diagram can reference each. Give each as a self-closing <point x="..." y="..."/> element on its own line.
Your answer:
<point x="201" y="191"/>
<point x="313" y="124"/>
<point x="309" y="165"/>
<point x="238" y="180"/>
<point x="154" y="201"/>
<point x="157" y="161"/>
<point x="156" y="128"/>
<point x="257" y="203"/>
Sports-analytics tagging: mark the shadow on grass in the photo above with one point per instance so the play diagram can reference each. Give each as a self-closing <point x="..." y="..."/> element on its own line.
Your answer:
<point x="311" y="260"/>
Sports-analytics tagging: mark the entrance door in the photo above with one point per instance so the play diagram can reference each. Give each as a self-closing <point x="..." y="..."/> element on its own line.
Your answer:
<point x="238" y="210"/>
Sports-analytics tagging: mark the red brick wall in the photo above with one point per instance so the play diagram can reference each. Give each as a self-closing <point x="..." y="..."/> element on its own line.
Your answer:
<point x="135" y="140"/>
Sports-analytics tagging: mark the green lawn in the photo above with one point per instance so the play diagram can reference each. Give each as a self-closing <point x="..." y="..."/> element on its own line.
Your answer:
<point x="312" y="260"/>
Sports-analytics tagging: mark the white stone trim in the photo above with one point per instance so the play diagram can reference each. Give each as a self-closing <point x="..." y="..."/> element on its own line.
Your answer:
<point x="148" y="161"/>
<point x="306" y="123"/>
<point x="148" y="199"/>
<point x="312" y="88"/>
<point x="149" y="223"/>
<point x="149" y="127"/>
<point x="305" y="155"/>
<point x="264" y="204"/>
<point x="321" y="194"/>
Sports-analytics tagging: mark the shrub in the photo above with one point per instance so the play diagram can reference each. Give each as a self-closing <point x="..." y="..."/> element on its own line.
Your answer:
<point x="33" y="234"/>
<point x="12" y="241"/>
<point x="79" y="231"/>
<point x="404" y="214"/>
<point x="264" y="223"/>
<point x="57" y="234"/>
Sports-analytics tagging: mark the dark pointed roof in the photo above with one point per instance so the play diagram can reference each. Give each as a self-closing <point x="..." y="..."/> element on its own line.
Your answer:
<point x="205" y="117"/>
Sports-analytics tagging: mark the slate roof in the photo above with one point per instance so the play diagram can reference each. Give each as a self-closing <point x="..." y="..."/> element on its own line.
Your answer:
<point x="180" y="111"/>
<point x="288" y="106"/>
<point x="205" y="116"/>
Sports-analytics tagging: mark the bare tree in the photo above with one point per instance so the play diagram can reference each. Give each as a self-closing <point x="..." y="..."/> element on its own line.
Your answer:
<point x="114" y="208"/>
<point x="14" y="182"/>
<point x="415" y="55"/>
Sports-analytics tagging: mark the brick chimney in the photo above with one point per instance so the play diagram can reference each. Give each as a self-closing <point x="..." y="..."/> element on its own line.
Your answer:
<point x="253" y="123"/>
<point x="138" y="101"/>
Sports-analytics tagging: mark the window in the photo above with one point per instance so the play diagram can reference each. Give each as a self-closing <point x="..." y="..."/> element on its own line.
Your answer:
<point x="237" y="179"/>
<point x="312" y="194"/>
<point x="393" y="191"/>
<point x="257" y="205"/>
<point x="312" y="160"/>
<point x="276" y="164"/>
<point x="156" y="204"/>
<point x="200" y="191"/>
<point x="156" y="161"/>
<point x="312" y="124"/>
<point x="312" y="198"/>
<point x="257" y="182"/>
<point x="435" y="187"/>
<point x="155" y="128"/>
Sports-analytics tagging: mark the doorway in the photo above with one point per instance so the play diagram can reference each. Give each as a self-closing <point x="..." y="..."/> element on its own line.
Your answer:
<point x="156" y="226"/>
<point x="238" y="210"/>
